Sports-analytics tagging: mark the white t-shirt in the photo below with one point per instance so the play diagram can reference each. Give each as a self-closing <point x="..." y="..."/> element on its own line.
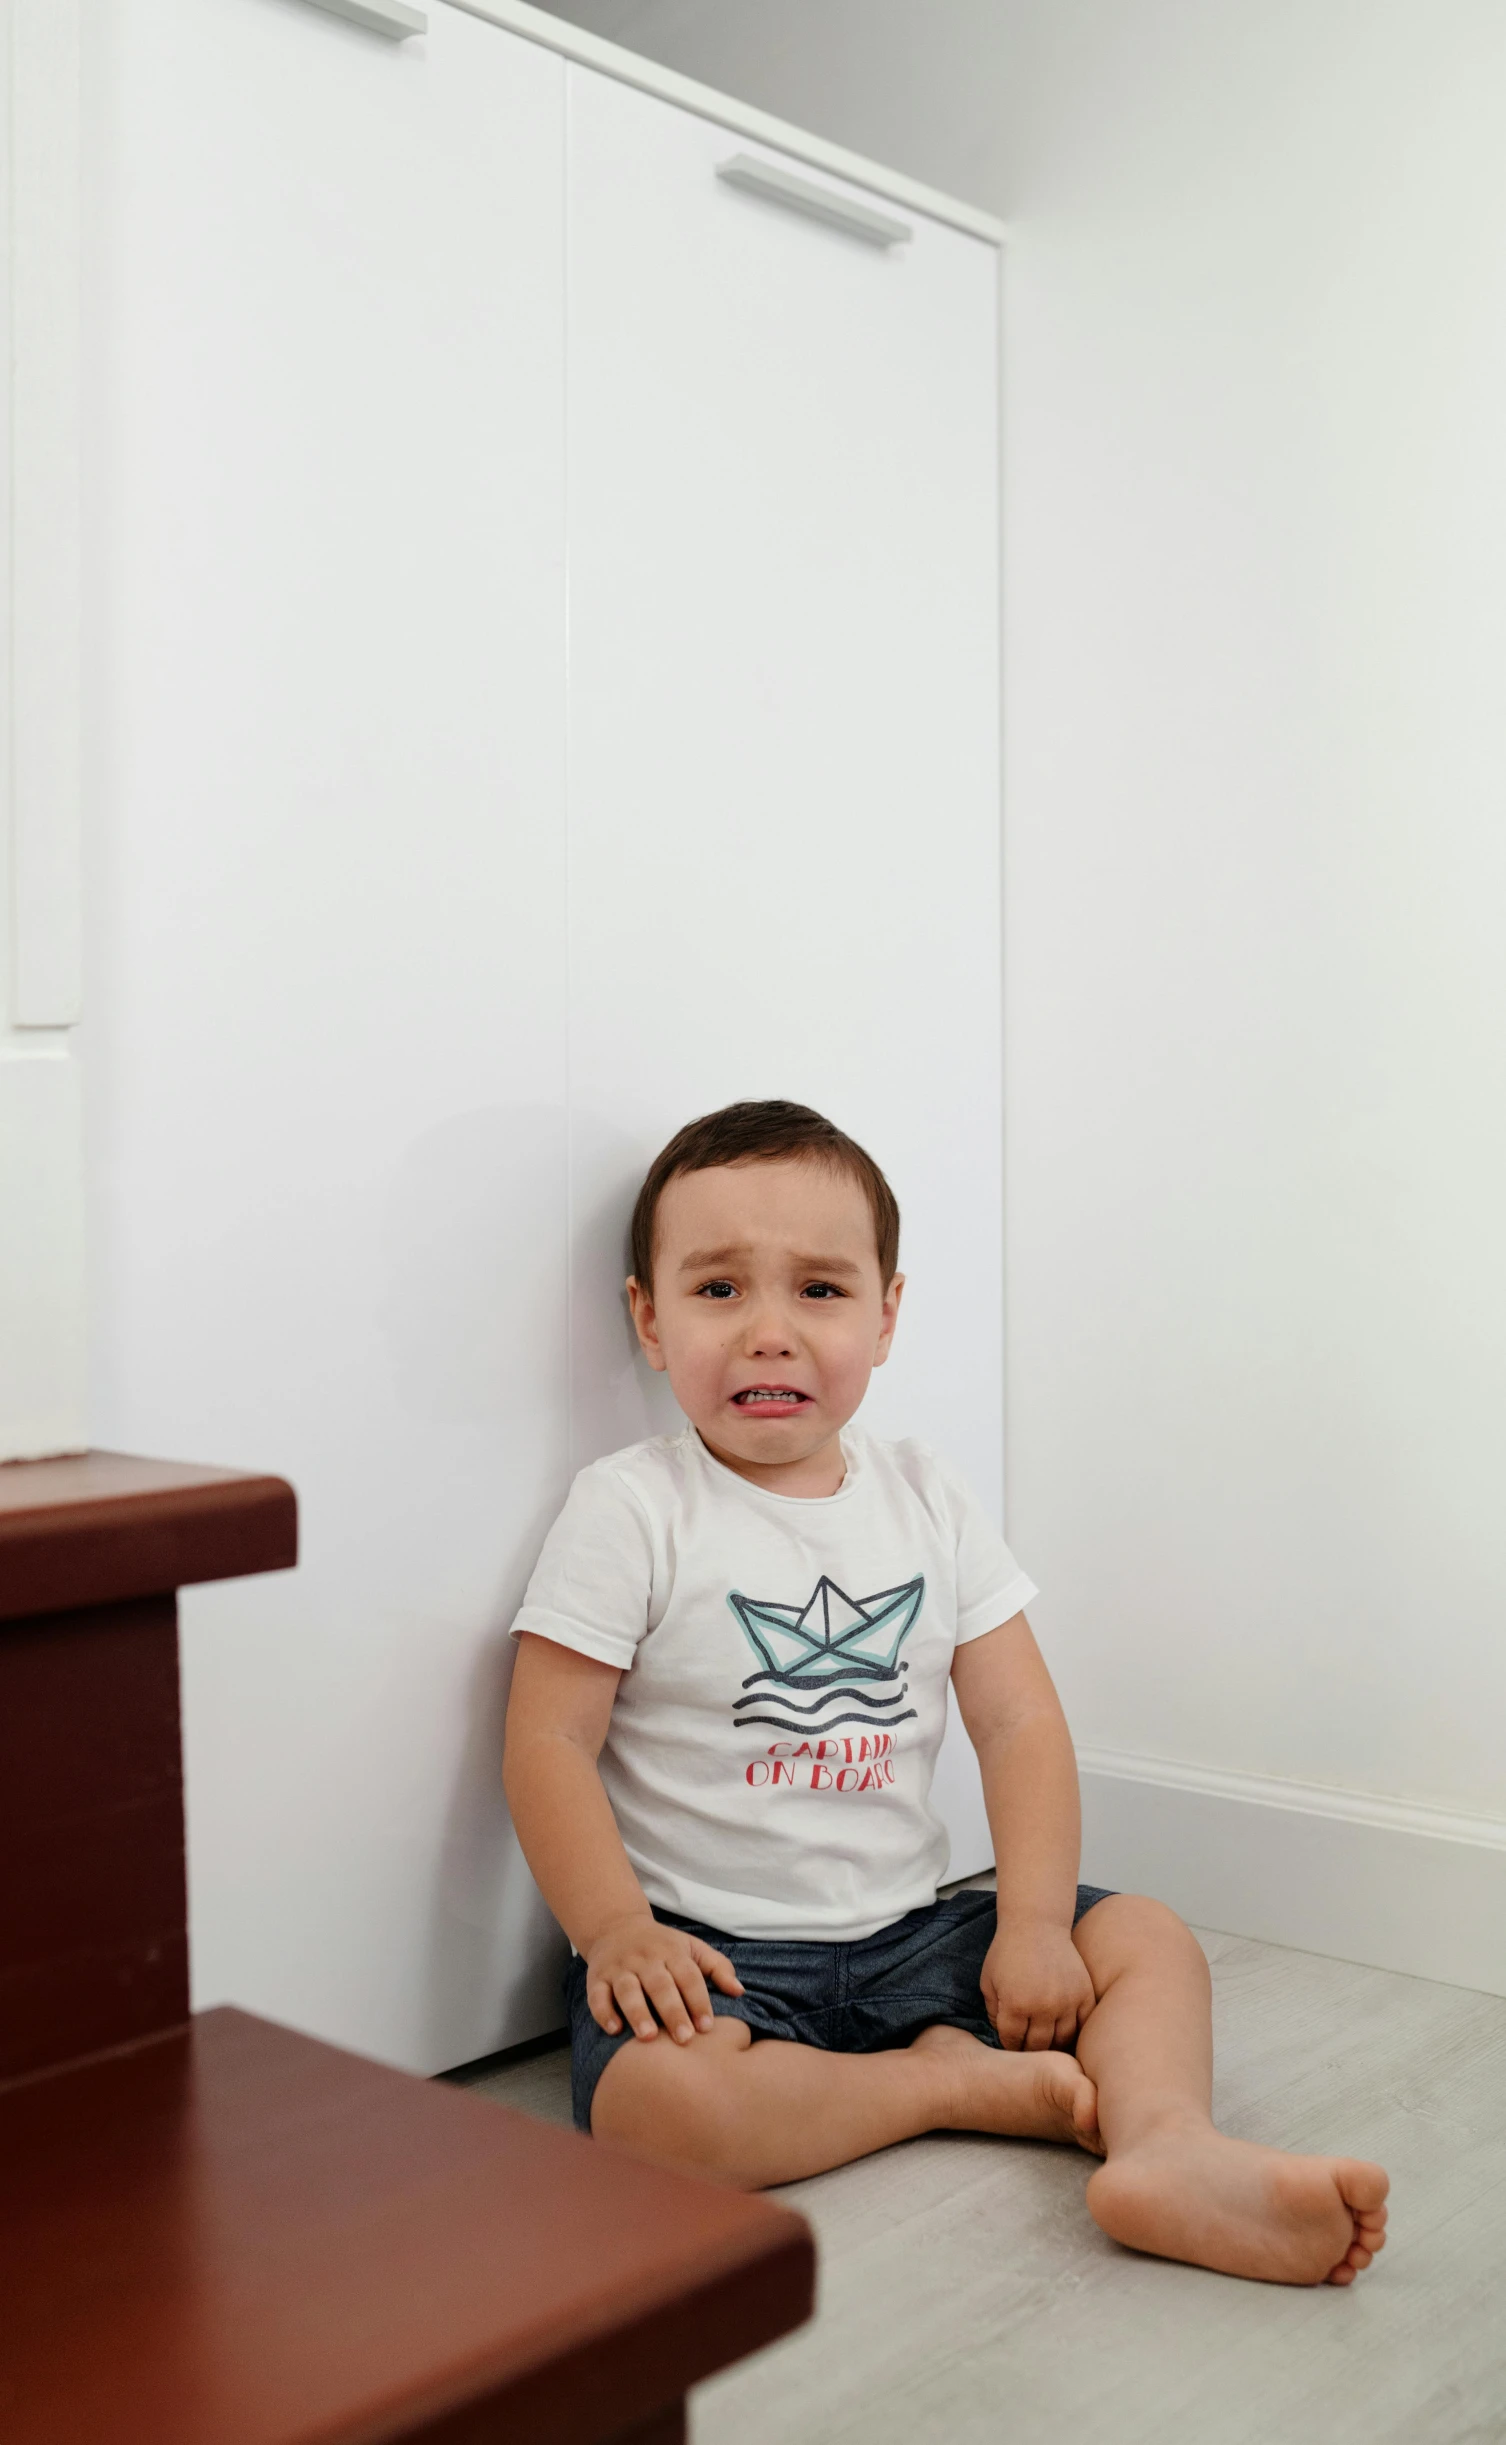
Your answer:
<point x="784" y="1673"/>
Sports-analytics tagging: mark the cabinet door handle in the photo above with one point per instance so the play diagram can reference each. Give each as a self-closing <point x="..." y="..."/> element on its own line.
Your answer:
<point x="392" y="17"/>
<point x="781" y="186"/>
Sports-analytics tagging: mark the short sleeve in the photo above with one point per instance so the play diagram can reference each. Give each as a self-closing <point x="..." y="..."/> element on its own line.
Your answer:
<point x="592" y="1583"/>
<point x="991" y="1587"/>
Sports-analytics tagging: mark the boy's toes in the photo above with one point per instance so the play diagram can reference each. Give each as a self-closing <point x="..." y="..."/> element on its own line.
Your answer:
<point x="1365" y="2181"/>
<point x="1085" y="2118"/>
<point x="1068" y="2094"/>
<point x="1363" y="2188"/>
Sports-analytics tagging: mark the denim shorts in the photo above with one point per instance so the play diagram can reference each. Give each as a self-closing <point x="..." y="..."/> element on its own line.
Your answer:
<point x="850" y="1998"/>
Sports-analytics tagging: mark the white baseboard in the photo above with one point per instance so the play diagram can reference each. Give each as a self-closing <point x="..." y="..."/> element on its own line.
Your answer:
<point x="1380" y="1881"/>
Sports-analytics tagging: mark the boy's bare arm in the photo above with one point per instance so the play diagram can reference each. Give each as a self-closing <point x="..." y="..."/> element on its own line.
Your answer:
<point x="1035" y="1983"/>
<point x="557" y="1718"/>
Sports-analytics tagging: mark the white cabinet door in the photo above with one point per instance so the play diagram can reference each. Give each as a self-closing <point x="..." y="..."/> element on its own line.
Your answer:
<point x="326" y="1027"/>
<point x="784" y="736"/>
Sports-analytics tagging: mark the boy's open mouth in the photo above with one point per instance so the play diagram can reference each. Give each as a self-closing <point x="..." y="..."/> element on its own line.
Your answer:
<point x="771" y="1400"/>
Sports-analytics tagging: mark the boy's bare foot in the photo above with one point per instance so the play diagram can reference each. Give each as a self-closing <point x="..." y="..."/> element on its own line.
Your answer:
<point x="1016" y="2096"/>
<point x="1186" y="2191"/>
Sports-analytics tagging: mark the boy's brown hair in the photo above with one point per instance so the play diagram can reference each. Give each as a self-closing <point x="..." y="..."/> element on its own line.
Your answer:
<point x="764" y="1133"/>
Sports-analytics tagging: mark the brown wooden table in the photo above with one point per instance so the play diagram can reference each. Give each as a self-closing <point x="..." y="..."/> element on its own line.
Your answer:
<point x="216" y="2231"/>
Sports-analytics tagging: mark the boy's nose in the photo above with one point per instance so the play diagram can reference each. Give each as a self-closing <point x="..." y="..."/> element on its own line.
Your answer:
<point x="770" y="1336"/>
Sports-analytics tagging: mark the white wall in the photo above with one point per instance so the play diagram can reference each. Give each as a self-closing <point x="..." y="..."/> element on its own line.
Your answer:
<point x="42" y="1394"/>
<point x="1256" y="874"/>
<point x="1258" y="515"/>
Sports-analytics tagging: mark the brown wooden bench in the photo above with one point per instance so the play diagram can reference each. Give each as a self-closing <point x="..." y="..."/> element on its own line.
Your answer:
<point x="215" y="2231"/>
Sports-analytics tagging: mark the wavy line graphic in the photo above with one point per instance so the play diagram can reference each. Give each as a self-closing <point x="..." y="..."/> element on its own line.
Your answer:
<point x="858" y="1697"/>
<point x="831" y="1722"/>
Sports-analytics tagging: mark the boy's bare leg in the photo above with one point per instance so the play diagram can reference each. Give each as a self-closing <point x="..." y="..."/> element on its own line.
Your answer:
<point x="756" y="2114"/>
<point x="1173" y="2183"/>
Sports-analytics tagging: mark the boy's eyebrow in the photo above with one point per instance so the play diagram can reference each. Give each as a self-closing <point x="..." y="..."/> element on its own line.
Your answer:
<point x="702" y="1258"/>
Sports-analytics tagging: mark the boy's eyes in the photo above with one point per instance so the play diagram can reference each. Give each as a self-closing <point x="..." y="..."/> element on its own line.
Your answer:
<point x="728" y="1290"/>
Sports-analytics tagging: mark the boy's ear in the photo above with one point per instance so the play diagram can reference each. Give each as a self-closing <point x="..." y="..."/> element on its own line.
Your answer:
<point x="890" y="1318"/>
<point x="641" y="1307"/>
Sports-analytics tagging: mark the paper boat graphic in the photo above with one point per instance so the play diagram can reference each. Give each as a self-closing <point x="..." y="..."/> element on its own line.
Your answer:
<point x="832" y="1638"/>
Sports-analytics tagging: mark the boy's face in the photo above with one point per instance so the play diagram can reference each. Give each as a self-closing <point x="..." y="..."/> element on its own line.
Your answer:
<point x="768" y="1313"/>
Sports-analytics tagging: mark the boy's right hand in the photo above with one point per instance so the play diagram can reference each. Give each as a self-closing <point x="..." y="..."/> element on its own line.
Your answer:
<point x="637" y="1963"/>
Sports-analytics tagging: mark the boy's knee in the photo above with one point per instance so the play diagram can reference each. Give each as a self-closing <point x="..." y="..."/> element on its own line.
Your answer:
<point x="1130" y="1927"/>
<point x="669" y="2102"/>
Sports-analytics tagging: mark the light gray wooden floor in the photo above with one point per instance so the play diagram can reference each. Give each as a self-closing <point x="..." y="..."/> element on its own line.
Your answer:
<point x="965" y="2294"/>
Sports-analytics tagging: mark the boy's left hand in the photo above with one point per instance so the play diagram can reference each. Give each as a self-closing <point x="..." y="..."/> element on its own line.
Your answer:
<point x="1036" y="1985"/>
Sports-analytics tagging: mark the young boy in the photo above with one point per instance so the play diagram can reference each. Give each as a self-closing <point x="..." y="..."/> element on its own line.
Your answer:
<point x="730" y="1690"/>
